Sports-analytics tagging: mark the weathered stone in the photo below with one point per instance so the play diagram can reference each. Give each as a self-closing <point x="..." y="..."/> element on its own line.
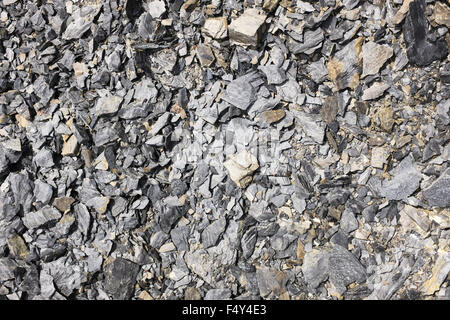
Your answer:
<point x="18" y="247"/>
<point x="405" y="180"/>
<point x="63" y="203"/>
<point x="375" y="91"/>
<point x="212" y="233"/>
<point x="272" y="116"/>
<point x="374" y="57"/>
<point x="271" y="281"/>
<point x="386" y="117"/>
<point x="248" y="28"/>
<point x="329" y="109"/>
<point x="241" y="168"/>
<point x="107" y="105"/>
<point x="216" y="28"/>
<point x="439" y="274"/>
<point x="120" y="278"/>
<point x="345" y="67"/>
<point x="379" y="157"/>
<point x="441" y="14"/>
<point x="70" y="146"/>
<point x="205" y="55"/>
<point x="36" y="219"/>
<point x="437" y="194"/>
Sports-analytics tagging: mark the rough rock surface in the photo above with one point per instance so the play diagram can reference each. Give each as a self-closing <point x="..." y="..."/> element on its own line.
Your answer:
<point x="244" y="150"/>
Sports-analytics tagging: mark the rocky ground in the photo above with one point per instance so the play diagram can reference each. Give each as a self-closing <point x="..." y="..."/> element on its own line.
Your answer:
<point x="257" y="149"/>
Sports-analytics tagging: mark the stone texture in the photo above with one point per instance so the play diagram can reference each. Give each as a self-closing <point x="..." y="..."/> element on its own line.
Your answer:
<point x="248" y="28"/>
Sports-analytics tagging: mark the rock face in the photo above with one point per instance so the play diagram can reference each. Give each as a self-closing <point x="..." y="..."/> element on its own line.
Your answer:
<point x="248" y="28"/>
<point x="344" y="68"/>
<point x="437" y="194"/>
<point x="421" y="50"/>
<point x="241" y="168"/>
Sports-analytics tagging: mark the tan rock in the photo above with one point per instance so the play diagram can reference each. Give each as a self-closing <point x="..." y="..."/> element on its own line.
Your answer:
<point x="192" y="294"/>
<point x="241" y="168"/>
<point x="273" y="116"/>
<point x="216" y="28"/>
<point x="379" y="157"/>
<point x="70" y="147"/>
<point x="441" y="14"/>
<point x="440" y="272"/>
<point x="401" y="13"/>
<point x="18" y="247"/>
<point x="386" y="117"/>
<point x="63" y="203"/>
<point x="247" y="29"/>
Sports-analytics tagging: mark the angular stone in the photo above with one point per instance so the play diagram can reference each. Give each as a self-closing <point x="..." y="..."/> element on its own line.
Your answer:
<point x="44" y="158"/>
<point x="18" y="247"/>
<point x="310" y="124"/>
<point x="329" y="109"/>
<point x="345" y="67"/>
<point x="348" y="222"/>
<point x="273" y="74"/>
<point x="240" y="93"/>
<point x="374" y="56"/>
<point x="63" y="203"/>
<point x="241" y="168"/>
<point x="437" y="194"/>
<point x="272" y="116"/>
<point x="107" y="105"/>
<point x="216" y="28"/>
<point x="375" y="91"/>
<point x="70" y="147"/>
<point x="312" y="41"/>
<point x="420" y="49"/>
<point x="386" y="117"/>
<point x="402" y="12"/>
<point x="440" y="272"/>
<point x="120" y="278"/>
<point x="271" y="281"/>
<point x="441" y="14"/>
<point x="212" y="233"/>
<point x="36" y="219"/>
<point x="156" y="8"/>
<point x="405" y="180"/>
<point x="248" y="28"/>
<point x="43" y="192"/>
<point x="205" y="55"/>
<point x="379" y="157"/>
<point x="82" y="19"/>
<point x="100" y="204"/>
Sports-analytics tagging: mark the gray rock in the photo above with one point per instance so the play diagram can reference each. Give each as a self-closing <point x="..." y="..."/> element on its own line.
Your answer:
<point x="405" y="180"/>
<point x="240" y="93"/>
<point x="180" y="237"/>
<point x="218" y="294"/>
<point x="120" y="278"/>
<point x="107" y="105"/>
<point x="437" y="194"/>
<point x="374" y="57"/>
<point x="36" y="219"/>
<point x="248" y="242"/>
<point x="43" y="192"/>
<point x="310" y="124"/>
<point x="345" y="67"/>
<point x="82" y="19"/>
<point x="329" y="109"/>
<point x="312" y="41"/>
<point x="212" y="233"/>
<point x="317" y="71"/>
<point x="271" y="281"/>
<point x="44" y="158"/>
<point x="274" y="74"/>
